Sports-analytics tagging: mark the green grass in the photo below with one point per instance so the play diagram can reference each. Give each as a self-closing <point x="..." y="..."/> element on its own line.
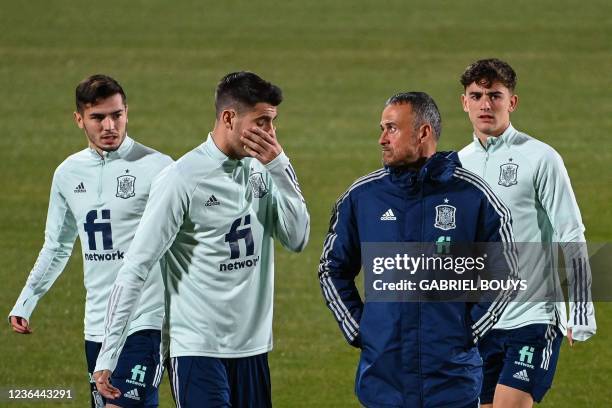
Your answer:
<point x="337" y="62"/>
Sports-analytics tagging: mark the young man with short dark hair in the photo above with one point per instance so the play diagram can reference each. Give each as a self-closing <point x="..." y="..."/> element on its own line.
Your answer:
<point x="99" y="195"/>
<point x="213" y="217"/>
<point x="520" y="354"/>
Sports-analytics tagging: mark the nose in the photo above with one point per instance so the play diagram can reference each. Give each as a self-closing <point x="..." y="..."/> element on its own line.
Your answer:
<point x="108" y="123"/>
<point x="383" y="140"/>
<point x="485" y="104"/>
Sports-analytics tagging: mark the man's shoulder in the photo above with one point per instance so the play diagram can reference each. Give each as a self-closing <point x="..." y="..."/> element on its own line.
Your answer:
<point x="142" y="152"/>
<point x="75" y="161"/>
<point x="473" y="185"/>
<point x="535" y="150"/>
<point x="366" y="182"/>
<point x="189" y="169"/>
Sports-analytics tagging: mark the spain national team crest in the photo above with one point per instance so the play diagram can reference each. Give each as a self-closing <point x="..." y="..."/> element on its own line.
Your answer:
<point x="508" y="174"/>
<point x="125" y="186"/>
<point x="258" y="185"/>
<point x="445" y="216"/>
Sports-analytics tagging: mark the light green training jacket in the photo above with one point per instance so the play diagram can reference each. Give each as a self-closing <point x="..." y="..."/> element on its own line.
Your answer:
<point x="531" y="179"/>
<point x="100" y="200"/>
<point x="214" y="221"/>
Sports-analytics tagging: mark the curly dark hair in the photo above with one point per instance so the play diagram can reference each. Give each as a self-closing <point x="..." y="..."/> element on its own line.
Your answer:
<point x="486" y="71"/>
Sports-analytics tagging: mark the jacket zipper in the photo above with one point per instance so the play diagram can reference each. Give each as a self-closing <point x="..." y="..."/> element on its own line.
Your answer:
<point x="102" y="164"/>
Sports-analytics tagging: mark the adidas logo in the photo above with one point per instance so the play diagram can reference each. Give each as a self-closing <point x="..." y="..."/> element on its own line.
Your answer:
<point x="388" y="216"/>
<point x="132" y="394"/>
<point x="522" y="375"/>
<point x="80" y="188"/>
<point x="212" y="201"/>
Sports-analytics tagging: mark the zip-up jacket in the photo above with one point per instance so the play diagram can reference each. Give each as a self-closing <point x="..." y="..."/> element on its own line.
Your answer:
<point x="100" y="199"/>
<point x="413" y="353"/>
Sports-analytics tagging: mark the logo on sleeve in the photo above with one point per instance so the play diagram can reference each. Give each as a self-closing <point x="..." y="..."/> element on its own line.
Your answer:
<point x="445" y="216"/>
<point x="258" y="185"/>
<point x="508" y="173"/>
<point x="125" y="186"/>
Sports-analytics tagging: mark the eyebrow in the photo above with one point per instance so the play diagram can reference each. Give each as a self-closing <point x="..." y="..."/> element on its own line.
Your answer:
<point x="266" y="116"/>
<point x="94" y="114"/>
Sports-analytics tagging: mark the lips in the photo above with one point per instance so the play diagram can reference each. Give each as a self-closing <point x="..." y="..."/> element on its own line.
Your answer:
<point x="486" y="117"/>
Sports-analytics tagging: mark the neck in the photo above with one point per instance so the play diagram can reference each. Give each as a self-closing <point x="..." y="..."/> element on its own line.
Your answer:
<point x="482" y="137"/>
<point x="220" y="137"/>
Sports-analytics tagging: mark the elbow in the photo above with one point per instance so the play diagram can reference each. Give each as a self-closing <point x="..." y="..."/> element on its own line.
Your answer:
<point x="300" y="244"/>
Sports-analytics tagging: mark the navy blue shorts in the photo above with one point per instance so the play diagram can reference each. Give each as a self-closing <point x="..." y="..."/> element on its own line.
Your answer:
<point x="138" y="372"/>
<point x="524" y="358"/>
<point x="221" y="382"/>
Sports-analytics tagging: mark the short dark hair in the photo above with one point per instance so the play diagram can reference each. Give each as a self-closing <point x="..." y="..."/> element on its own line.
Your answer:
<point x="424" y="109"/>
<point x="486" y="71"/>
<point x="96" y="87"/>
<point x="245" y="89"/>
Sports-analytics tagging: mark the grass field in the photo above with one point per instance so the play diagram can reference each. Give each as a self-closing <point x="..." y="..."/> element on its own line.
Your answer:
<point x="337" y="62"/>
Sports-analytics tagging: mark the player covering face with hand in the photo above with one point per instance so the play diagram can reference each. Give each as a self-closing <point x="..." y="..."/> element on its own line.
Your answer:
<point x="212" y="220"/>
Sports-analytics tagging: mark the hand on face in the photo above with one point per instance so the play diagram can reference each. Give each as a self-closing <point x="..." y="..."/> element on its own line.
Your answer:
<point x="260" y="144"/>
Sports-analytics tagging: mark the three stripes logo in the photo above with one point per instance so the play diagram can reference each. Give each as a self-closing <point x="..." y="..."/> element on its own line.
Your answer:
<point x="212" y="201"/>
<point x="133" y="394"/>
<point x="388" y="216"/>
<point x="521" y="375"/>
<point x="80" y="188"/>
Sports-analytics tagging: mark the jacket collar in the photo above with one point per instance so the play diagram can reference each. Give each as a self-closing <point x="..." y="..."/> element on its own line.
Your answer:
<point x="438" y="168"/>
<point x="212" y="150"/>
<point x="496" y="142"/>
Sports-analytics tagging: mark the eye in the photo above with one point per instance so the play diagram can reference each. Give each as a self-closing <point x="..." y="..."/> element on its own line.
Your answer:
<point x="117" y="115"/>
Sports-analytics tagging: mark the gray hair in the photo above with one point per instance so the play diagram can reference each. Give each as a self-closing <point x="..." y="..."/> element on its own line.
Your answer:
<point x="424" y="108"/>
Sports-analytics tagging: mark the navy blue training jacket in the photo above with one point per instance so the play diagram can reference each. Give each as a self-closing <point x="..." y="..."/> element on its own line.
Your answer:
<point x="412" y="354"/>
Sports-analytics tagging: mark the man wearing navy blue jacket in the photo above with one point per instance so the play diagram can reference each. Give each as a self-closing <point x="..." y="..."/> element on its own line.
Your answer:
<point x="413" y="354"/>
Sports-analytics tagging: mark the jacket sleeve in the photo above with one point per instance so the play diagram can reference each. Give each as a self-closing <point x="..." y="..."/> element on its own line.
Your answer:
<point x="557" y="198"/>
<point x="162" y="218"/>
<point x="60" y="234"/>
<point x="339" y="265"/>
<point x="292" y="222"/>
<point x="495" y="230"/>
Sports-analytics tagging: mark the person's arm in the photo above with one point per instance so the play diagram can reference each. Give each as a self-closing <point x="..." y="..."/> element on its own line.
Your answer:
<point x="60" y="234"/>
<point x="557" y="198"/>
<point x="339" y="265"/>
<point x="162" y="218"/>
<point x="292" y="222"/>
